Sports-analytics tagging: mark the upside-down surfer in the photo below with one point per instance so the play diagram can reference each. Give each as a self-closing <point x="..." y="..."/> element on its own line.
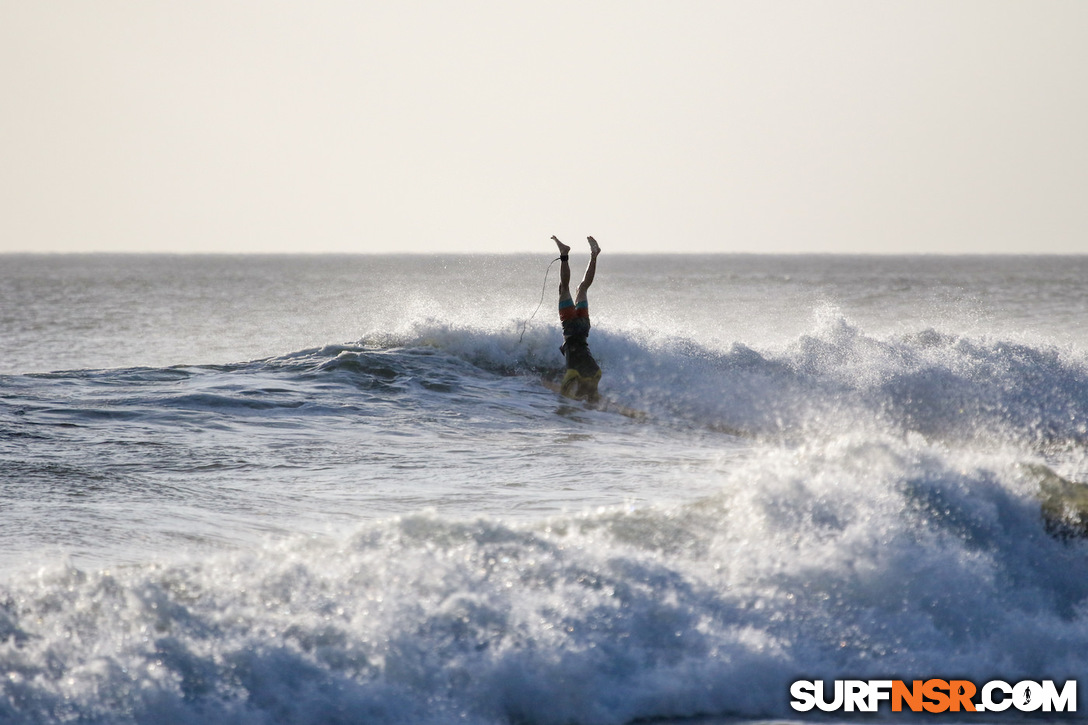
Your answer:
<point x="583" y="372"/>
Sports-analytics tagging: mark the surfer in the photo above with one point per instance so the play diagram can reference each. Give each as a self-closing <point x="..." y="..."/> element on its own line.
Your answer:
<point x="583" y="372"/>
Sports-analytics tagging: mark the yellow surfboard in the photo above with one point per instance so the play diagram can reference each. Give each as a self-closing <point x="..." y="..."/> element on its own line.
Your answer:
<point x="602" y="403"/>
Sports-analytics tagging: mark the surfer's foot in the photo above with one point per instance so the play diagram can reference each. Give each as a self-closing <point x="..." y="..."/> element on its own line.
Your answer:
<point x="594" y="248"/>
<point x="563" y="248"/>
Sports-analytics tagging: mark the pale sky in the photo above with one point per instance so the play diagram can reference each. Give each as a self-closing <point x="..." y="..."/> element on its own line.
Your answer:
<point x="468" y="126"/>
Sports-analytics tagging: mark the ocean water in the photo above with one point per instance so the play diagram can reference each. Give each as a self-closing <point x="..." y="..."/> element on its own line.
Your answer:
<point x="334" y="490"/>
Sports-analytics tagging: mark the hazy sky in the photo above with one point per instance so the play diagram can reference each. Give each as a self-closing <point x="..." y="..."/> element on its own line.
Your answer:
<point x="716" y="126"/>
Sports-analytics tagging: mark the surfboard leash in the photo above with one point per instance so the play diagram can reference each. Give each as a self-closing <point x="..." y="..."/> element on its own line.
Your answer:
<point x="543" y="291"/>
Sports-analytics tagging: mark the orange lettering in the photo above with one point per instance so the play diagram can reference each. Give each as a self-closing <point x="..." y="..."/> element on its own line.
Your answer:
<point x="912" y="696"/>
<point x="961" y="692"/>
<point x="933" y="690"/>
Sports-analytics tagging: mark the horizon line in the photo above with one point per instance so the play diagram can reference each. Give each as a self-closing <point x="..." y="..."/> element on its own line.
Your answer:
<point x="116" y="253"/>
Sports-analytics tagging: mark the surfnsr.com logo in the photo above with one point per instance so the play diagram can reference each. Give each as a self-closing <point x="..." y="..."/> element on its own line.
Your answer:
<point x="934" y="696"/>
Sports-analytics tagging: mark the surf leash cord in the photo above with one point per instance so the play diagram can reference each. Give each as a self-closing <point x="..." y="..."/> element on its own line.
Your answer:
<point x="543" y="291"/>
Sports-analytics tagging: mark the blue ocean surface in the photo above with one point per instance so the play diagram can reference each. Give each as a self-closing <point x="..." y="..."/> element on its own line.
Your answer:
<point x="335" y="490"/>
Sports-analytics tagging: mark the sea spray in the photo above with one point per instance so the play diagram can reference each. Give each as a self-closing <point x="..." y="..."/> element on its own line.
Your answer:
<point x="398" y="522"/>
<point x="862" y="556"/>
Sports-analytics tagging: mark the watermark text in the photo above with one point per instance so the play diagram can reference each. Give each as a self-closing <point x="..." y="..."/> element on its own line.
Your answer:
<point x="933" y="695"/>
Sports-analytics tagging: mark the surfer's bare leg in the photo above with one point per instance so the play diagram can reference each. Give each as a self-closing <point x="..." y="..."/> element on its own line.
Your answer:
<point x="591" y="270"/>
<point x="564" y="270"/>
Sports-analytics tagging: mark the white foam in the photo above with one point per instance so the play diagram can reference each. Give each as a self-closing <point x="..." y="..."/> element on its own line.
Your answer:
<point x="883" y="521"/>
<point x="859" y="556"/>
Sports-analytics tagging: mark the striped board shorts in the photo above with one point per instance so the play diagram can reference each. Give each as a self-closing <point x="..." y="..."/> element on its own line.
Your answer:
<point x="575" y="318"/>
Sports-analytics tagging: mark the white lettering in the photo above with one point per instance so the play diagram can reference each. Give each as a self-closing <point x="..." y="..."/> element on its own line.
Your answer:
<point x="987" y="696"/>
<point x="824" y="704"/>
<point x="856" y="695"/>
<point x="995" y="696"/>
<point x="803" y="692"/>
<point x="1065" y="701"/>
<point x="1027" y="696"/>
<point x="879" y="690"/>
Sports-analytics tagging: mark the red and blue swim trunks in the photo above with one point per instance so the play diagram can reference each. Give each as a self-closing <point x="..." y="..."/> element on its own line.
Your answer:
<point x="583" y="373"/>
<point x="575" y="317"/>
